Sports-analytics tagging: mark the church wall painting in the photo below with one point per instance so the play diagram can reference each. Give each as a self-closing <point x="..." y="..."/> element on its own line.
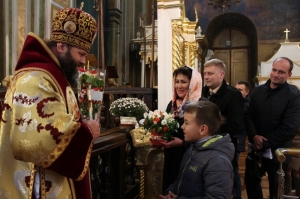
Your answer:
<point x="270" y="17"/>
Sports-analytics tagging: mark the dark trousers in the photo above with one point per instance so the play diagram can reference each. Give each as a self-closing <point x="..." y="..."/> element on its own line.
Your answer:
<point x="236" y="190"/>
<point x="253" y="187"/>
<point x="173" y="157"/>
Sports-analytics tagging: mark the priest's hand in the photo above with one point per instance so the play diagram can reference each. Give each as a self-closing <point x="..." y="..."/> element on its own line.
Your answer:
<point x="94" y="127"/>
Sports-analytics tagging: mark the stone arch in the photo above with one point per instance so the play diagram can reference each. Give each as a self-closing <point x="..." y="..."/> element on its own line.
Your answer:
<point x="243" y="23"/>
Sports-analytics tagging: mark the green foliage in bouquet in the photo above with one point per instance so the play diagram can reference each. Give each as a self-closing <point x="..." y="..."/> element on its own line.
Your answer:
<point x="128" y="107"/>
<point x="162" y="123"/>
<point x="86" y="79"/>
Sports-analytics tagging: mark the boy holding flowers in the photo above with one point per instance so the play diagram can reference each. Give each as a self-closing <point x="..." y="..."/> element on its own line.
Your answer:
<point x="205" y="170"/>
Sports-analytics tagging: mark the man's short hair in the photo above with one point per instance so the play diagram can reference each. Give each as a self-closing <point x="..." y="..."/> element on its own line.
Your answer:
<point x="206" y="113"/>
<point x="247" y="85"/>
<point x="290" y="62"/>
<point x="215" y="62"/>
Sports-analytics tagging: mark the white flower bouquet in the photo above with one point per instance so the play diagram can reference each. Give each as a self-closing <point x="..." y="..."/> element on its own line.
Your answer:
<point x="162" y="125"/>
<point x="129" y="107"/>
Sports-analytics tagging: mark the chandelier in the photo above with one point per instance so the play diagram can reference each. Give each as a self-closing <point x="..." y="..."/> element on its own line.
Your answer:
<point x="222" y="3"/>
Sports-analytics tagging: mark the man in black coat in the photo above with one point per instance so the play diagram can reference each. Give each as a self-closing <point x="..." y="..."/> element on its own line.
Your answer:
<point x="244" y="87"/>
<point x="230" y="102"/>
<point x="272" y="120"/>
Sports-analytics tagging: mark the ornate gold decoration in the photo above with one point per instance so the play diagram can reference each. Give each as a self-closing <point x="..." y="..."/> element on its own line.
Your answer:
<point x="196" y="14"/>
<point x="183" y="13"/>
<point x="142" y="181"/>
<point x="74" y="27"/>
<point x="86" y="163"/>
<point x="185" y="48"/>
<point x="140" y="138"/>
<point x="163" y="4"/>
<point x="112" y="82"/>
<point x="198" y="51"/>
<point x="192" y="53"/>
<point x="176" y="44"/>
<point x="31" y="181"/>
<point x="51" y="157"/>
<point x="142" y="54"/>
<point x="154" y="173"/>
<point x="188" y="27"/>
<point x="43" y="182"/>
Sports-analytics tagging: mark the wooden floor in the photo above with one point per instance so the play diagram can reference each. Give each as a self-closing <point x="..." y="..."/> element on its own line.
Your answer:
<point x="265" y="183"/>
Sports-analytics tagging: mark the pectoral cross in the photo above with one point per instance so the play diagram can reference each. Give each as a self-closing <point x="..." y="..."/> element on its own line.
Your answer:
<point x="287" y="35"/>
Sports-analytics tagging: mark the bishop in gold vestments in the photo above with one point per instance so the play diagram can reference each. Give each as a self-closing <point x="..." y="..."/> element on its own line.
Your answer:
<point x="45" y="147"/>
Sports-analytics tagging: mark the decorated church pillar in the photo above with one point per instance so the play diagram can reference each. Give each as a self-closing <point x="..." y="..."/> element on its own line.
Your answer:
<point x="177" y="45"/>
<point x="166" y="12"/>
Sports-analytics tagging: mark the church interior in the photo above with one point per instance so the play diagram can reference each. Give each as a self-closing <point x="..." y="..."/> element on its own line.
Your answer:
<point x="139" y="44"/>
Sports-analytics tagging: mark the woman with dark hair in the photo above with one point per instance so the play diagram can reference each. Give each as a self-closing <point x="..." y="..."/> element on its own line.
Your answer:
<point x="187" y="87"/>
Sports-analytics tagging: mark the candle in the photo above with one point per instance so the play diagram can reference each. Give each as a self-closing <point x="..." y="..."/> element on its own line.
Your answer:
<point x="90" y="102"/>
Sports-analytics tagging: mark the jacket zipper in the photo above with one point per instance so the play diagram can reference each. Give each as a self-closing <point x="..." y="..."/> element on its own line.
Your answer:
<point x="269" y="100"/>
<point x="184" y="170"/>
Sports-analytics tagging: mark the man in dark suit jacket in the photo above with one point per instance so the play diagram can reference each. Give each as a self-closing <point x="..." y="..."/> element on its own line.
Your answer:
<point x="272" y="121"/>
<point x="230" y="102"/>
<point x="244" y="87"/>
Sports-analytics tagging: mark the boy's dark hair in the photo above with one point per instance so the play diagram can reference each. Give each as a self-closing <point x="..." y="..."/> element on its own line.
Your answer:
<point x="247" y="85"/>
<point x="187" y="71"/>
<point x="206" y="113"/>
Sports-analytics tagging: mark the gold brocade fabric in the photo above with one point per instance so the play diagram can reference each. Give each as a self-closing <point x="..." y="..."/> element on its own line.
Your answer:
<point x="74" y="27"/>
<point x="37" y="131"/>
<point x="140" y="138"/>
<point x="141" y="142"/>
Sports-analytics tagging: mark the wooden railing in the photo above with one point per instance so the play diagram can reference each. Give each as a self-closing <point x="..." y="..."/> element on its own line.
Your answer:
<point x="113" y="170"/>
<point x="107" y="166"/>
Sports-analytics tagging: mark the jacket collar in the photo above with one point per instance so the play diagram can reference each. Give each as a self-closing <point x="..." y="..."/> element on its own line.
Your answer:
<point x="220" y="90"/>
<point x="267" y="86"/>
<point x="208" y="142"/>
